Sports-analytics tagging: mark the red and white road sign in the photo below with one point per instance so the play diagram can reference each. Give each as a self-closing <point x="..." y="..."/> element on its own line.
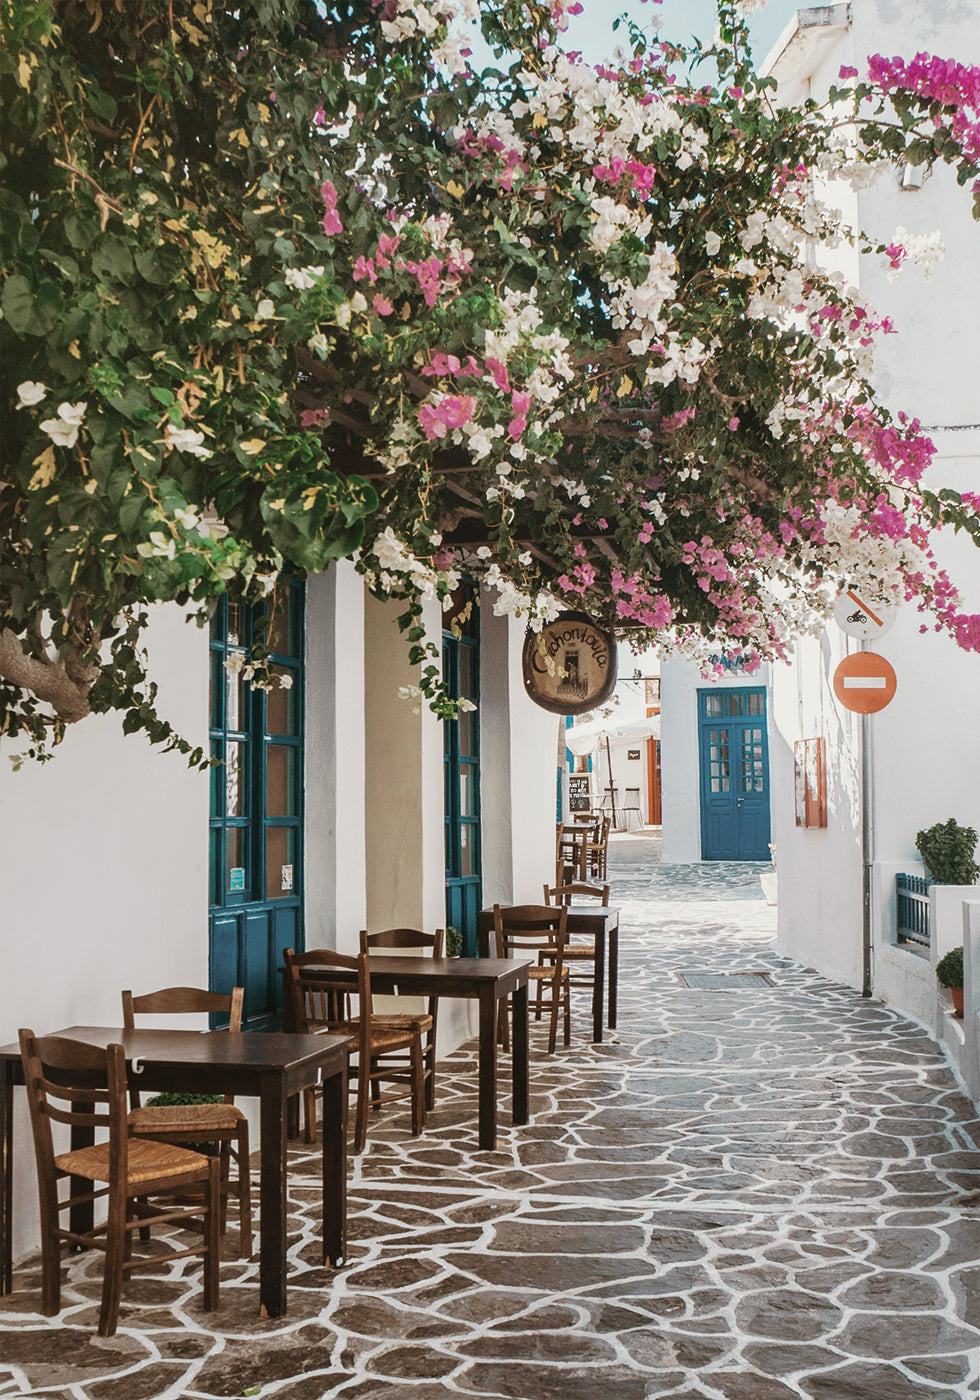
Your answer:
<point x="865" y="682"/>
<point x="860" y="618"/>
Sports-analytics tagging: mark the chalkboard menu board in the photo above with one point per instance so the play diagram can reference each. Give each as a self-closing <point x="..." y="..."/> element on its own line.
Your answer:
<point x="579" y="798"/>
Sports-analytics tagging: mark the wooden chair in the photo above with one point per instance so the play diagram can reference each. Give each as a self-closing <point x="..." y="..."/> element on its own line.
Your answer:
<point x="190" y="1123"/>
<point x="343" y="1003"/>
<point x="410" y="939"/>
<point x="577" y="953"/>
<point x="538" y="930"/>
<point x="84" y="1087"/>
<point x="570" y="850"/>
<point x="596" y="849"/>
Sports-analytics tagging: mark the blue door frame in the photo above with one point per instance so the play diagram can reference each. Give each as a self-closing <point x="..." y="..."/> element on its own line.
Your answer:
<point x="734" y="774"/>
<point x="461" y="774"/>
<point x="256" y="826"/>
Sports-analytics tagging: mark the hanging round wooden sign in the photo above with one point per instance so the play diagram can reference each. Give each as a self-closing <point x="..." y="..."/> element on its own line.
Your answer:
<point x="570" y="665"/>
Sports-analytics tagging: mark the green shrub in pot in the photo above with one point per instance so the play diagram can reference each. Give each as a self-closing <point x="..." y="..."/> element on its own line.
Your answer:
<point x="454" y="942"/>
<point x="947" y="849"/>
<point x="949" y="968"/>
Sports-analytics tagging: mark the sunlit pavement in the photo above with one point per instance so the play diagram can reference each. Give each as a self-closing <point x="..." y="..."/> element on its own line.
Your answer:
<point x="758" y="1189"/>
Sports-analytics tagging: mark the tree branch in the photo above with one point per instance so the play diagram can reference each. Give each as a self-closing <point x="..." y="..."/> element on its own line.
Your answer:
<point x="50" y="681"/>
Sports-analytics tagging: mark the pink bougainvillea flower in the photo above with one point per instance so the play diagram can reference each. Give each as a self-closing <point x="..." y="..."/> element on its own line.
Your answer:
<point x="331" y="219"/>
<point x="449" y="413"/>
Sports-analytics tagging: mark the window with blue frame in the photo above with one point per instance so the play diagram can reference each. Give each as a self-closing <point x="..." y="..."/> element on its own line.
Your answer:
<point x="256" y="796"/>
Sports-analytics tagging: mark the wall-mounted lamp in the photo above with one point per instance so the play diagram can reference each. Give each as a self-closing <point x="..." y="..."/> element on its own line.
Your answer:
<point x="914" y="176"/>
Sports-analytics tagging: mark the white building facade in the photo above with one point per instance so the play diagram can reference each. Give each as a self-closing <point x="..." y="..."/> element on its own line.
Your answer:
<point x="106" y="881"/>
<point x="917" y="761"/>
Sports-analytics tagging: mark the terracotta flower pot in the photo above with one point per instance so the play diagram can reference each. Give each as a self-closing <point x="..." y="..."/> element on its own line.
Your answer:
<point x="957" y="994"/>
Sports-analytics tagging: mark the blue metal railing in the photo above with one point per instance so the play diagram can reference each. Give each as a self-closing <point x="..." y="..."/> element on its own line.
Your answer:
<point x="912" y="910"/>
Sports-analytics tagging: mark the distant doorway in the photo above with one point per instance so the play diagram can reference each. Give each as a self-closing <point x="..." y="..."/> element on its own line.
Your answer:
<point x="734" y="776"/>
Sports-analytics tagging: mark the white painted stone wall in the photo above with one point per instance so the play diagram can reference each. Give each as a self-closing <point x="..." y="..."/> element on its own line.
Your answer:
<point x="519" y="762"/>
<point x="103" y="873"/>
<point x="335" y="862"/>
<point x="926" y="745"/>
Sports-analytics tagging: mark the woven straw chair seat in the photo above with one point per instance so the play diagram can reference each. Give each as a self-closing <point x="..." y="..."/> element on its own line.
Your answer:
<point x="148" y="1161"/>
<point x="579" y="950"/>
<point x="184" y="1118"/>
<point x="402" y="1021"/>
<point x="546" y="973"/>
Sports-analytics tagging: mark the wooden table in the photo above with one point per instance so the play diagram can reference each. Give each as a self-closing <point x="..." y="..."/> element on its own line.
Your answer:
<point x="485" y="980"/>
<point x="599" y="922"/>
<point x="270" y="1067"/>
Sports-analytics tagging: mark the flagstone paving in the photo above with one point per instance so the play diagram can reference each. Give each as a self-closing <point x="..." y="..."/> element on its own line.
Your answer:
<point x="752" y="1192"/>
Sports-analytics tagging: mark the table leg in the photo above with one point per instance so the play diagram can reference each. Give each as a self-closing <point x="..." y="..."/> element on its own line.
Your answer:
<point x="519" y="1057"/>
<point x="488" y="1066"/>
<point x="6" y="1177"/>
<point x="613" y="974"/>
<point x="598" y="981"/>
<point x="272" y="1197"/>
<point x="335" y="1103"/>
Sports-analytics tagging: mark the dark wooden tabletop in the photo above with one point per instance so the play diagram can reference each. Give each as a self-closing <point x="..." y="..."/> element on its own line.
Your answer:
<point x="252" y="1050"/>
<point x="441" y="976"/>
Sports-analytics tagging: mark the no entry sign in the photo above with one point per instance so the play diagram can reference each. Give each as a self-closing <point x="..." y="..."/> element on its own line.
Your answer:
<point x="865" y="682"/>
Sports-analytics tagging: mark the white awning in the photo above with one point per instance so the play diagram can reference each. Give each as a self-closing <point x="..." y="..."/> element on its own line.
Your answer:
<point x="583" y="739"/>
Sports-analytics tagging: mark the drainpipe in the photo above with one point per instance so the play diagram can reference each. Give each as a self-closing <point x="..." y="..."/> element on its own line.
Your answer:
<point x="867" y="843"/>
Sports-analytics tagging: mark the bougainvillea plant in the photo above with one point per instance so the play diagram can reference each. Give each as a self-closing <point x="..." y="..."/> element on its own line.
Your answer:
<point x="285" y="282"/>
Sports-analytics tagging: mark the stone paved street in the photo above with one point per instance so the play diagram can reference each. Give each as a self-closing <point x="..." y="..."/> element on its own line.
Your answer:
<point x="754" y="1191"/>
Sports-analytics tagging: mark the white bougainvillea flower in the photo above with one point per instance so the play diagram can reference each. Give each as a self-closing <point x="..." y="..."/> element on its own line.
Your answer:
<point x="186" y="440"/>
<point x="265" y="310"/>
<point x="302" y="278"/>
<point x="189" y="518"/>
<point x="30" y="393"/>
<point x="63" y="430"/>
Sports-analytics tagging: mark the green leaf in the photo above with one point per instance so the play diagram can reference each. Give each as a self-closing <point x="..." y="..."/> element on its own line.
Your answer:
<point x="81" y="230"/>
<point x="17" y="303"/>
<point x="113" y="262"/>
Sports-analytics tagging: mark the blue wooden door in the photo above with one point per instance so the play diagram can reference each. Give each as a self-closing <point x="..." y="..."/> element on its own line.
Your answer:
<point x="461" y="772"/>
<point x="256" y="855"/>
<point x="734" y="778"/>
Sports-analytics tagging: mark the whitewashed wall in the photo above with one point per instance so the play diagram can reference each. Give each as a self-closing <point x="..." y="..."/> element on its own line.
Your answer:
<point x="335" y="861"/>
<point x="103" y="872"/>
<point x="521" y="751"/>
<point x="926" y="745"/>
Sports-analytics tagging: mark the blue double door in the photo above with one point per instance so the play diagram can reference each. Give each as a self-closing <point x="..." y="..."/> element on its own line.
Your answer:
<point x="734" y="774"/>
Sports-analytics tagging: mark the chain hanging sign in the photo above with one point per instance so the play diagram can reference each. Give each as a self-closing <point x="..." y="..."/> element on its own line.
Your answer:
<point x="570" y="665"/>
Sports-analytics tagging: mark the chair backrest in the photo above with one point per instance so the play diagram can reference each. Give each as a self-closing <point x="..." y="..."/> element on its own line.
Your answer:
<point x="79" y="1085"/>
<point x="404" y="938"/>
<point x="530" y="928"/>
<point x="567" y="894"/>
<point x="332" y="998"/>
<point x="181" y="1001"/>
<point x="570" y="849"/>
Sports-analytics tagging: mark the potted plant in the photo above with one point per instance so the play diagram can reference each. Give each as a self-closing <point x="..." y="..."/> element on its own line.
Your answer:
<point x="949" y="973"/>
<point x="947" y="849"/>
<point x="454" y="942"/>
